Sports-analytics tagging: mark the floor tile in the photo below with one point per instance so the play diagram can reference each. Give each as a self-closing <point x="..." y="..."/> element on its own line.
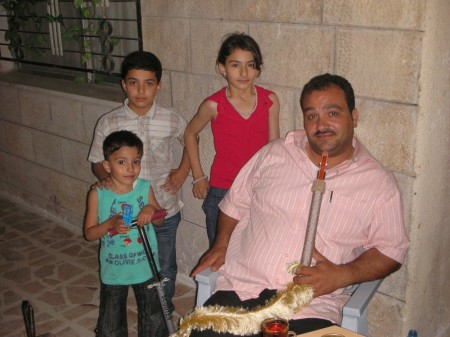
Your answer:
<point x="57" y="271"/>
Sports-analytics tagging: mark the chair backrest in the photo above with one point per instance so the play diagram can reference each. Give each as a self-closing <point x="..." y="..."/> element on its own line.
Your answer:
<point x="354" y="312"/>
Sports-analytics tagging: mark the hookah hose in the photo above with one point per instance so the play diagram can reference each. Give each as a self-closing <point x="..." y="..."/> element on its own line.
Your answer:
<point x="318" y="189"/>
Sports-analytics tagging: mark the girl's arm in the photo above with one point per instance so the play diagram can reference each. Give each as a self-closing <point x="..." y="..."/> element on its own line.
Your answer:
<point x="274" y="117"/>
<point x="146" y="213"/>
<point x="92" y="229"/>
<point x="206" y="112"/>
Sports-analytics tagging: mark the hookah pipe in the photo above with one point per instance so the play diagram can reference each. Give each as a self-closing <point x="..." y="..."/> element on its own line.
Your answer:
<point x="159" y="284"/>
<point x="318" y="189"/>
<point x="285" y="303"/>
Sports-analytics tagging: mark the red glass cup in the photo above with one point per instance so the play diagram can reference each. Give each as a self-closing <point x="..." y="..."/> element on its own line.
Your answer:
<point x="276" y="327"/>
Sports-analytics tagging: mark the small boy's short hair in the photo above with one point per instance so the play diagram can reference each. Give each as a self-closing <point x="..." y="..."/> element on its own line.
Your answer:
<point x="143" y="60"/>
<point x="116" y="140"/>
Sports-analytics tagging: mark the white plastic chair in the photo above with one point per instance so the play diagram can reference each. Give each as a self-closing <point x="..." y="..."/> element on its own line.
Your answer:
<point x="354" y="312"/>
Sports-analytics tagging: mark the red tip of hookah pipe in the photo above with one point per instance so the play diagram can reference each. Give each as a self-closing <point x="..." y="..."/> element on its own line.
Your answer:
<point x="322" y="166"/>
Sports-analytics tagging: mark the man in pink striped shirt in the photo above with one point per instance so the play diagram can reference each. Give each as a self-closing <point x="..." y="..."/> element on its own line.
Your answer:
<point x="361" y="233"/>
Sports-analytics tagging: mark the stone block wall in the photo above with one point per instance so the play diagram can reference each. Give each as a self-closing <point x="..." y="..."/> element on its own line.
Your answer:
<point x="374" y="45"/>
<point x="45" y="135"/>
<point x="377" y="44"/>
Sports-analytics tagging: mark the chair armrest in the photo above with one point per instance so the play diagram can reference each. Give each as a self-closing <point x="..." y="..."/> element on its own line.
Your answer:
<point x="355" y="310"/>
<point x="206" y="280"/>
<point x="361" y="297"/>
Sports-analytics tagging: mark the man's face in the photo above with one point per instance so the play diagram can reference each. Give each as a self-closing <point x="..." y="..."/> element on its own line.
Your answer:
<point x="329" y="124"/>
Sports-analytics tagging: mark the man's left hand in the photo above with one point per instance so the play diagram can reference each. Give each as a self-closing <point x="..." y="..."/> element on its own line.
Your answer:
<point x="325" y="276"/>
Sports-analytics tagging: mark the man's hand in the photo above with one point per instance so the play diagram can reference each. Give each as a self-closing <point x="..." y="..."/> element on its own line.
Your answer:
<point x="325" y="276"/>
<point x="174" y="181"/>
<point x="214" y="258"/>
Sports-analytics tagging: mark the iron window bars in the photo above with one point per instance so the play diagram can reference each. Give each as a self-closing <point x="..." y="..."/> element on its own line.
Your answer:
<point x="57" y="37"/>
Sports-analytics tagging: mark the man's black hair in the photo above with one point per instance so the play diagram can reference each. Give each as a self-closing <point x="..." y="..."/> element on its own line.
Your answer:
<point x="323" y="82"/>
<point x="115" y="140"/>
<point x="142" y="60"/>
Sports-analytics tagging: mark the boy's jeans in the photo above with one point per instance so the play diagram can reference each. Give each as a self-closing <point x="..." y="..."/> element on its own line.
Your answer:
<point x="112" y="320"/>
<point x="211" y="208"/>
<point x="166" y="235"/>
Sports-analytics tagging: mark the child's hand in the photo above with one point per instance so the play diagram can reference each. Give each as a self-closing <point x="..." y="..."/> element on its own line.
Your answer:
<point x="174" y="181"/>
<point x="145" y="215"/>
<point x="200" y="189"/>
<point x="119" y="224"/>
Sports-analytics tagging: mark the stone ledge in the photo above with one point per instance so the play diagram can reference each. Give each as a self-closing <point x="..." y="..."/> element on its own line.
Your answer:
<point x="111" y="94"/>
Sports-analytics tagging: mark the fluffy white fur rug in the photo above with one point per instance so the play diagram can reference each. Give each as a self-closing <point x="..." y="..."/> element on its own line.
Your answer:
<point x="241" y="322"/>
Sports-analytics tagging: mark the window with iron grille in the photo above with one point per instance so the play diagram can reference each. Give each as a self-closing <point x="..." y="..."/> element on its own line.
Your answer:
<point x="85" y="40"/>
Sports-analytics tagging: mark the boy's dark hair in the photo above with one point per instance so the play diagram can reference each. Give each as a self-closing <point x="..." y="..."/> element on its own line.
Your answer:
<point x="323" y="82"/>
<point x="234" y="41"/>
<point x="141" y="60"/>
<point x="115" y="140"/>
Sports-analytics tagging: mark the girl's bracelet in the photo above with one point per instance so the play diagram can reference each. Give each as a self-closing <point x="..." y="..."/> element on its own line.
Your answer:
<point x="197" y="180"/>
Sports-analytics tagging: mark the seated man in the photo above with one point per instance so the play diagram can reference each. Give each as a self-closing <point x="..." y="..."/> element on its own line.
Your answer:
<point x="261" y="229"/>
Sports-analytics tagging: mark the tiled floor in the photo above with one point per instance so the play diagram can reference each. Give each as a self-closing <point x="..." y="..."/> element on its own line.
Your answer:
<point x="56" y="270"/>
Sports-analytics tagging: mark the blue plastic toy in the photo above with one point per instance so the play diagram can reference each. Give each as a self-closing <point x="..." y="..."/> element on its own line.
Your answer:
<point x="127" y="214"/>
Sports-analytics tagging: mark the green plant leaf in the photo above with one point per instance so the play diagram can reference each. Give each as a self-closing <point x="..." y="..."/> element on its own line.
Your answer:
<point x="115" y="41"/>
<point x="85" y="12"/>
<point x="40" y="40"/>
<point x="72" y="32"/>
<point x="60" y="19"/>
<point x="86" y="45"/>
<point x="77" y="3"/>
<point x="85" y="58"/>
<point x="40" y="52"/>
<point x="81" y="79"/>
<point x="50" y="18"/>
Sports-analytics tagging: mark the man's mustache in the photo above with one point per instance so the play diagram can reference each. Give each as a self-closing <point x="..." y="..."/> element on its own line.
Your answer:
<point x="324" y="131"/>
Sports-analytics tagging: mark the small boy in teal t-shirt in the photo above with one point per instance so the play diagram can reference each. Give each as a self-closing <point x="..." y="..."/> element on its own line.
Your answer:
<point x="122" y="257"/>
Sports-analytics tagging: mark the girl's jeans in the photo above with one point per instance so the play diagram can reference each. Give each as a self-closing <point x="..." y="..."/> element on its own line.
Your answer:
<point x="211" y="208"/>
<point x="112" y="320"/>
